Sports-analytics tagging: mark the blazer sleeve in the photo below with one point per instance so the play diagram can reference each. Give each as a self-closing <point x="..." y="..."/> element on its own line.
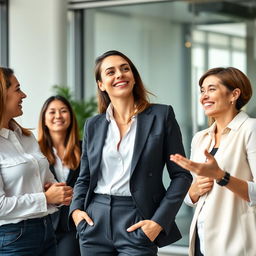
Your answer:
<point x="180" y="178"/>
<point x="83" y="181"/>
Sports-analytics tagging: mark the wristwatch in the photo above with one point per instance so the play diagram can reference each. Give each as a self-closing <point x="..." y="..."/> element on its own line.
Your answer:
<point x="225" y="180"/>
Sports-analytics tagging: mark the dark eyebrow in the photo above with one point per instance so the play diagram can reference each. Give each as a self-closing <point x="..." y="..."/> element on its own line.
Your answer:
<point x="60" y="108"/>
<point x="122" y="65"/>
<point x="210" y="85"/>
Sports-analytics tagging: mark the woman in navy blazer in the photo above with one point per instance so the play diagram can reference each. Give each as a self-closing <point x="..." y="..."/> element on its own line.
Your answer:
<point x="59" y="142"/>
<point x="120" y="205"/>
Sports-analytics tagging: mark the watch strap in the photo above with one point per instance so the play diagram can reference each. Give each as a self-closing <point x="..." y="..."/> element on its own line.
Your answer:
<point x="225" y="180"/>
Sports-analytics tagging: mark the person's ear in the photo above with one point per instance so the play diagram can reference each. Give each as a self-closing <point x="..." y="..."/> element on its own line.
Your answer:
<point x="235" y="94"/>
<point x="101" y="86"/>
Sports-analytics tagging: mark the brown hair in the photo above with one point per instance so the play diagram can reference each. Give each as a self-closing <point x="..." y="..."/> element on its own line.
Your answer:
<point x="72" y="154"/>
<point x="139" y="91"/>
<point x="232" y="78"/>
<point x="5" y="83"/>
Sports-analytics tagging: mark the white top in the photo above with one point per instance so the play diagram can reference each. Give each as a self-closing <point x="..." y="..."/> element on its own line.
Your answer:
<point x="116" y="162"/>
<point x="24" y="171"/>
<point x="250" y="147"/>
<point x="61" y="170"/>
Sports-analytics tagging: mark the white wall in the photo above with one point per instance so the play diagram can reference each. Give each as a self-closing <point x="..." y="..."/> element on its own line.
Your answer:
<point x="37" y="51"/>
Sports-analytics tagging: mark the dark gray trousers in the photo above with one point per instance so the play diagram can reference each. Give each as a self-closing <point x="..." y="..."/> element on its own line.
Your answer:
<point x="112" y="215"/>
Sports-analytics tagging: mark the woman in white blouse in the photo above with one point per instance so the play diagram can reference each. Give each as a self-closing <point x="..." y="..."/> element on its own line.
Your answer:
<point x="224" y="222"/>
<point x="58" y="138"/>
<point x="28" y="190"/>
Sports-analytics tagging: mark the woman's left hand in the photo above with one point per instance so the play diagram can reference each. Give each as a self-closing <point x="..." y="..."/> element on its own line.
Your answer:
<point x="209" y="169"/>
<point x="149" y="227"/>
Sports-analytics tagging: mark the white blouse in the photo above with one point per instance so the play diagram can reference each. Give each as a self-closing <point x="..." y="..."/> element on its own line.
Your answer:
<point x="23" y="174"/>
<point x="114" y="177"/>
<point x="61" y="170"/>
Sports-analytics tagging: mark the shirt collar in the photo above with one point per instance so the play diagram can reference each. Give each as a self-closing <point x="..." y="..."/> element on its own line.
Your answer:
<point x="5" y="132"/>
<point x="235" y="123"/>
<point x="110" y="114"/>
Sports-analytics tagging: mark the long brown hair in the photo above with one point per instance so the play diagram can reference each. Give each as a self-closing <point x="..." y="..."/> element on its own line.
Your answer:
<point x="231" y="78"/>
<point x="139" y="91"/>
<point x="5" y="83"/>
<point x="72" y="154"/>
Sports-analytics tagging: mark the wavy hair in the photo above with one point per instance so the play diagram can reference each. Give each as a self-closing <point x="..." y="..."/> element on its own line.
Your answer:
<point x="5" y="83"/>
<point x="72" y="144"/>
<point x="141" y="95"/>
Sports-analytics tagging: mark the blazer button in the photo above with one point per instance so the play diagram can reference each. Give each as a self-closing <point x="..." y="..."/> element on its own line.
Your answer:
<point x="150" y="174"/>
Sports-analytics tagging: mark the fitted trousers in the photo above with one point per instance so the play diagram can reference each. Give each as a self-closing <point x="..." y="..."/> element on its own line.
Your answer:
<point x="112" y="215"/>
<point x="67" y="244"/>
<point x="197" y="245"/>
<point x="32" y="237"/>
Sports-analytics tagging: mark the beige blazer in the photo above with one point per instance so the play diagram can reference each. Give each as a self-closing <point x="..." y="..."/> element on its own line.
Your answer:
<point x="230" y="224"/>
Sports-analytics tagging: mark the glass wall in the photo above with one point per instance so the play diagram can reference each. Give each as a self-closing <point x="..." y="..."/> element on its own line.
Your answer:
<point x="172" y="43"/>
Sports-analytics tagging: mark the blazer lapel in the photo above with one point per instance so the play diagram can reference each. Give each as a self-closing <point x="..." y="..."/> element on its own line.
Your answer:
<point x="144" y="123"/>
<point x="53" y="171"/>
<point x="100" y="131"/>
<point x="70" y="176"/>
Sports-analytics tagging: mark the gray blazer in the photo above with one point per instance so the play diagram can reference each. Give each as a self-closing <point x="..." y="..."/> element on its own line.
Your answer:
<point x="157" y="136"/>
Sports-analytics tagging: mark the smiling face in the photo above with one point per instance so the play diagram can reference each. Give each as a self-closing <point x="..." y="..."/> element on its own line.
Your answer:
<point x="116" y="77"/>
<point x="216" y="98"/>
<point x="14" y="99"/>
<point x="57" y="117"/>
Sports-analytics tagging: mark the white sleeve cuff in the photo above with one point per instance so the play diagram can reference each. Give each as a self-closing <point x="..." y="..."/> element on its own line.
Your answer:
<point x="188" y="201"/>
<point x="252" y="193"/>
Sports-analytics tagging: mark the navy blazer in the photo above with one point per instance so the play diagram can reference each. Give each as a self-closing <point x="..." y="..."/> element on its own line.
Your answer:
<point x="157" y="136"/>
<point x="60" y="218"/>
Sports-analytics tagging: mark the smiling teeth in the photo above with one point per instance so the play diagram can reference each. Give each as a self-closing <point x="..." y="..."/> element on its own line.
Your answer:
<point x="120" y="84"/>
<point x="208" y="104"/>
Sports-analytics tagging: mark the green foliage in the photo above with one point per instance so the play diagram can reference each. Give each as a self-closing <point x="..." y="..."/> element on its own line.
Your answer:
<point x="83" y="109"/>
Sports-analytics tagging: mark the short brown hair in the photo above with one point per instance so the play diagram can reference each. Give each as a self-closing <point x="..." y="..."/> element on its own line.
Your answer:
<point x="139" y="91"/>
<point x="72" y="144"/>
<point x="232" y="78"/>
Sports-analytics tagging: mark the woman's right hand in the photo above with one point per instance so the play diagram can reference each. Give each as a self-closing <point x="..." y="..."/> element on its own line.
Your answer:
<point x="201" y="186"/>
<point x="79" y="215"/>
<point x="59" y="193"/>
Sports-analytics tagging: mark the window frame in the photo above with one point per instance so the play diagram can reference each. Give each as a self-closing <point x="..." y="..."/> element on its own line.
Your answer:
<point x="4" y="36"/>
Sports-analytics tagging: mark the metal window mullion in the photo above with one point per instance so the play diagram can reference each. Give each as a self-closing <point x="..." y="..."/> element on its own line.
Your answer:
<point x="79" y="54"/>
<point x="4" y="33"/>
<point x="109" y="3"/>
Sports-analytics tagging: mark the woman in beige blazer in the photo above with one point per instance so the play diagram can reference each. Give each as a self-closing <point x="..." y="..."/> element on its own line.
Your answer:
<point x="223" y="158"/>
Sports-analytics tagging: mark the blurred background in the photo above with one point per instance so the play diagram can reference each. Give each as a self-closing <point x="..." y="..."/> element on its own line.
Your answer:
<point x="55" y="42"/>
